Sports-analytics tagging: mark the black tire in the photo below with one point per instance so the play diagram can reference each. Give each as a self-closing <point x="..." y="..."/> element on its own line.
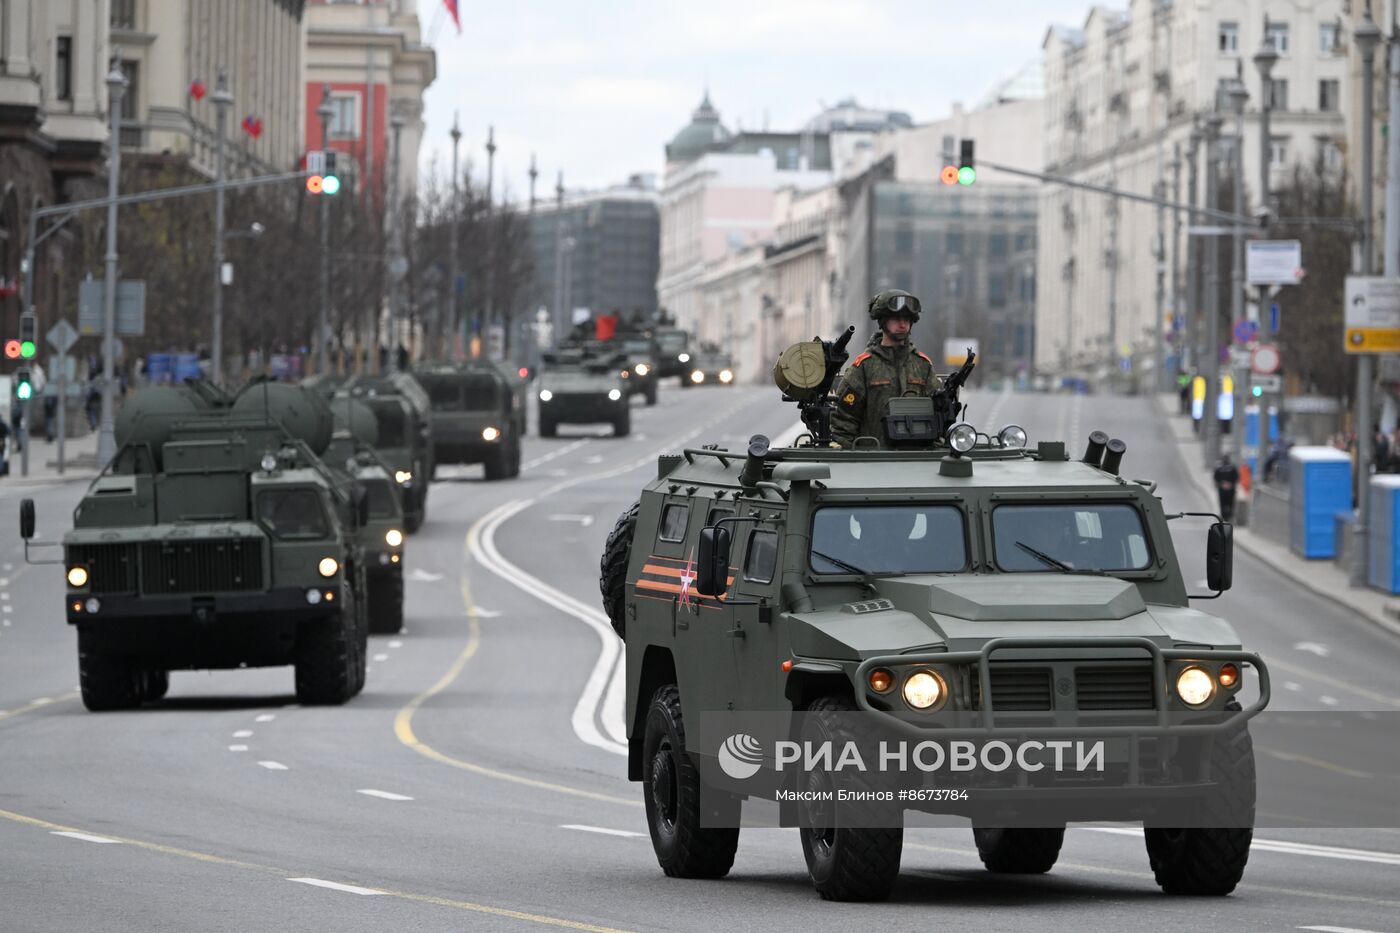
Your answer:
<point x="1018" y="851"/>
<point x="385" y="603"/>
<point x="622" y="426"/>
<point x="671" y="787"/>
<point x="106" y="683"/>
<point x="612" y="570"/>
<point x="412" y="520"/>
<point x="1210" y="861"/>
<point x="326" y="661"/>
<point x="651" y="394"/>
<point x="361" y="615"/>
<point x="497" y="464"/>
<point x="846" y="863"/>
<point x="548" y="427"/>
<point x="157" y="685"/>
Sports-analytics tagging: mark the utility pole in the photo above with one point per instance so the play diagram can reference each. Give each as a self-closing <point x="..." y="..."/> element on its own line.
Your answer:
<point x="396" y="260"/>
<point x="534" y="173"/>
<point x="1264" y="61"/>
<point x="1238" y="95"/>
<point x="1367" y="37"/>
<point x="487" y="310"/>
<point x="222" y="101"/>
<point x="452" y="268"/>
<point x="1211" y="422"/>
<point x="325" y="111"/>
<point x="559" y="316"/>
<point x="1165" y="384"/>
<point x="1391" y="247"/>
<point x="1192" y="347"/>
<point x="106" y="437"/>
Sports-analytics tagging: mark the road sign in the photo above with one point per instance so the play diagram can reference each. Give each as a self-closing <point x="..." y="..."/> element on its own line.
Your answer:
<point x="1275" y="314"/>
<point x="1270" y="384"/>
<point x="130" y="311"/>
<point x="1246" y="330"/>
<point x="1239" y="357"/>
<point x="1265" y="359"/>
<point x="955" y="350"/>
<point x="1372" y="316"/>
<point x="62" y="336"/>
<point x="1273" y="262"/>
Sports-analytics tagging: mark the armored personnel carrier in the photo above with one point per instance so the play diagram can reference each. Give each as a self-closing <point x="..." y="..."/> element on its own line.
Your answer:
<point x="709" y="367"/>
<point x="476" y="417"/>
<point x="216" y="538"/>
<point x="672" y="350"/>
<point x="403" y="414"/>
<point x="936" y="585"/>
<point x="579" y="386"/>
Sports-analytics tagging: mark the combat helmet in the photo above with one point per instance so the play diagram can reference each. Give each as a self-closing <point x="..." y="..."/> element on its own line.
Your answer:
<point x="893" y="301"/>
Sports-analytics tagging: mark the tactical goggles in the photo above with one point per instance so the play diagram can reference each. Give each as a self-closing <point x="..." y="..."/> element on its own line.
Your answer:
<point x="899" y="304"/>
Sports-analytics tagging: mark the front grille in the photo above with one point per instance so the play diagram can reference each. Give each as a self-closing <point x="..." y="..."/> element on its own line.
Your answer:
<point x="1015" y="688"/>
<point x="111" y="567"/>
<point x="1121" y="686"/>
<point x="219" y="566"/>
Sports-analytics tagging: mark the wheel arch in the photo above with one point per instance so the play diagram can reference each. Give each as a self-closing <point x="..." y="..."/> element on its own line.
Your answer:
<point x="658" y="668"/>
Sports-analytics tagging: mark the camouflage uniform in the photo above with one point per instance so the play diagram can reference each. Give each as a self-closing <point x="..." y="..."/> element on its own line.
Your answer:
<point x="874" y="377"/>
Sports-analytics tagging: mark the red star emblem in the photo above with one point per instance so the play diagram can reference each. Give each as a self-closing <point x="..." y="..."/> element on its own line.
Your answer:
<point x="687" y="578"/>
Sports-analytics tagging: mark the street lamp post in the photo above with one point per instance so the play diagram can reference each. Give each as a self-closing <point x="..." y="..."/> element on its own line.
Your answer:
<point x="559" y="316"/>
<point x="1211" y="421"/>
<point x="1367" y="37"/>
<point x="1238" y="95"/>
<point x="325" y="111"/>
<point x="222" y="101"/>
<point x="452" y="272"/>
<point x="487" y="310"/>
<point x="1193" y="251"/>
<point x="1264" y="61"/>
<point x="534" y="174"/>
<point x="1175" y="165"/>
<point x="106" y="438"/>
<point x="396" y="260"/>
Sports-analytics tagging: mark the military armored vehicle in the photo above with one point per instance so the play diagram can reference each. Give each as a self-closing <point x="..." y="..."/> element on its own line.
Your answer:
<point x="672" y="350"/>
<point x="476" y="417"/>
<point x="579" y="387"/>
<point x="215" y="538"/>
<point x="938" y="583"/>
<point x="404" y="417"/>
<point x="709" y="367"/>
<point x="639" y="369"/>
<point x="381" y="537"/>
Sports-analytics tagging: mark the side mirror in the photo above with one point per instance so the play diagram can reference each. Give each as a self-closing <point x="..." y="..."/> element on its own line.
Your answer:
<point x="26" y="518"/>
<point x="1220" y="556"/>
<point x="712" y="567"/>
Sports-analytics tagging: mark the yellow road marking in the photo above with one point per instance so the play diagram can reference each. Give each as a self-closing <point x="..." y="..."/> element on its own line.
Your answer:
<point x="1315" y="762"/>
<point x="21" y="710"/>
<point x="268" y="869"/>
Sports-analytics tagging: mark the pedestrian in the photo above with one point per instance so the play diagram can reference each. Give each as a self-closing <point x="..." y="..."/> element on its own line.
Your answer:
<point x="1227" y="479"/>
<point x="50" y="417"/>
<point x="889" y="368"/>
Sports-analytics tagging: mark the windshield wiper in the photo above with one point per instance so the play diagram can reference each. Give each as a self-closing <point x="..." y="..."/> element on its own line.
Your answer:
<point x="1046" y="558"/>
<point x="848" y="567"/>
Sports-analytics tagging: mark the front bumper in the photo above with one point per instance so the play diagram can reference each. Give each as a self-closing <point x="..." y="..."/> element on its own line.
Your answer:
<point x="583" y="409"/>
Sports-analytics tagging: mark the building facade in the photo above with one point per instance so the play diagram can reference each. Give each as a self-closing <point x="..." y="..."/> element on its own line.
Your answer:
<point x="1123" y="94"/>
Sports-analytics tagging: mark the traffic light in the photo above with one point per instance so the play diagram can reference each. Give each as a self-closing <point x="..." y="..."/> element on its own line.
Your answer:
<point x="967" y="172"/>
<point x="24" y="385"/>
<point x="12" y="349"/>
<point x="323" y="179"/>
<point x="1256" y="391"/>
<point x="28" y="335"/>
<point x="330" y="181"/>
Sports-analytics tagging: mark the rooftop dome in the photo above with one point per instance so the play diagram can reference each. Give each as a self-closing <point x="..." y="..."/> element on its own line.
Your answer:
<point x="702" y="134"/>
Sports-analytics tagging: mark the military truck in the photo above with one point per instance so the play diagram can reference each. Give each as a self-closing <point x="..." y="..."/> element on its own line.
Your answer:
<point x="476" y="418"/>
<point x="404" y="417"/>
<point x="580" y="387"/>
<point x="672" y="350"/>
<point x="639" y="370"/>
<point x="215" y="538"/>
<point x="709" y="366"/>
<point x="966" y="587"/>
<point x="381" y="538"/>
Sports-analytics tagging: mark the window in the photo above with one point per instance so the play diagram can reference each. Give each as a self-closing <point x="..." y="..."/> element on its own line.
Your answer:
<point x="292" y="514"/>
<point x="954" y="244"/>
<point x="1080" y="535"/>
<point x="383" y="502"/>
<point x="996" y="245"/>
<point x="1328" y="95"/>
<point x="1277" y="36"/>
<point x="343" y="123"/>
<point x="1279" y="151"/>
<point x="904" y="241"/>
<point x="888" y="539"/>
<point x="716" y="513"/>
<point x="1327" y="34"/>
<point x="63" y="69"/>
<point x="1278" y="94"/>
<point x="1331" y="154"/>
<point x="996" y="289"/>
<point x="761" y="561"/>
<point x="1228" y="37"/>
<point x="673" y="520"/>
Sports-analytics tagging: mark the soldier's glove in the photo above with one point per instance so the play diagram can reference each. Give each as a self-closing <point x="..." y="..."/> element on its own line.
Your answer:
<point x="834" y="445"/>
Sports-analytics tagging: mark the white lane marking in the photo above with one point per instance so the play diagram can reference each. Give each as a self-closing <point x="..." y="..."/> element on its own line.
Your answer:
<point x="600" y="829"/>
<point x="42" y="701"/>
<point x="273" y="766"/>
<point x="265" y="717"/>
<point x="238" y="748"/>
<point x="5" y="596"/>
<point x="381" y="657"/>
<point x="383" y="794"/>
<point x="1325" y="929"/>
<point x="1313" y="647"/>
<point x="557" y="473"/>
<point x="615" y="702"/>
<point x="584" y="520"/>
<point x="479" y="613"/>
<point x="243" y="733"/>
<point x="4" y="581"/>
<point x="87" y="838"/>
<point x="424" y="576"/>
<point x="1285" y="847"/>
<point x="1327" y="701"/>
<point x="9" y="566"/>
<point x="1292" y="685"/>
<point x="545" y="458"/>
<point x="1001" y="399"/>
<point x="336" y="886"/>
<point x="596" y="458"/>
<point x="395" y="644"/>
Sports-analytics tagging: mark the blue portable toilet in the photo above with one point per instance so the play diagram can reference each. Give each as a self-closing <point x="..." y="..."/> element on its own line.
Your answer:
<point x="158" y="368"/>
<point x="1320" y="487"/>
<point x="1384" y="525"/>
<point x="187" y="367"/>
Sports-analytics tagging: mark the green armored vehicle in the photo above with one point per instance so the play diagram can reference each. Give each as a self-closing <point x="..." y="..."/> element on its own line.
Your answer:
<point x="581" y="387"/>
<point x="938" y="585"/>
<point x="709" y="367"/>
<point x="672" y="350"/>
<point x="476" y="416"/>
<point x="381" y="537"/>
<point x="640" y="370"/>
<point x="404" y="417"/>
<point x="216" y="538"/>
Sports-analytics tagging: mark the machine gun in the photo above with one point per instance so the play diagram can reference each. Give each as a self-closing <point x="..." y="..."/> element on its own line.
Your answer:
<point x="946" y="406"/>
<point x="805" y="372"/>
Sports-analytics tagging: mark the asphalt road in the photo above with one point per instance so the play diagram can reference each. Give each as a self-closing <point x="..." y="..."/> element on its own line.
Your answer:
<point x="477" y="783"/>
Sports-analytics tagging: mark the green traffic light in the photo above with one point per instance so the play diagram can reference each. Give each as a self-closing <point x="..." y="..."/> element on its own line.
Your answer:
<point x="27" y="349"/>
<point x="24" y="391"/>
<point x="967" y="175"/>
<point x="330" y="184"/>
<point x="1257" y="390"/>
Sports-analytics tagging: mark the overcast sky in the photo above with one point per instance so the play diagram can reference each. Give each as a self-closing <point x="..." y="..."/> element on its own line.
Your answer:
<point x="597" y="87"/>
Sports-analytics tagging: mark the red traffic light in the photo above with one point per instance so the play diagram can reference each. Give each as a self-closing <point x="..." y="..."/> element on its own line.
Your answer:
<point x="949" y="175"/>
<point x="12" y="349"/>
<point x="314" y="183"/>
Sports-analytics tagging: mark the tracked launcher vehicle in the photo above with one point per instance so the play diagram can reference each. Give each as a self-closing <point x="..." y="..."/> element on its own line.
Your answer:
<point x="936" y="584"/>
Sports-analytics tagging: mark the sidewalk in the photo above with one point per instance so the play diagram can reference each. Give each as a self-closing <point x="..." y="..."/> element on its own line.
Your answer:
<point x="1320" y="576"/>
<point x="79" y="462"/>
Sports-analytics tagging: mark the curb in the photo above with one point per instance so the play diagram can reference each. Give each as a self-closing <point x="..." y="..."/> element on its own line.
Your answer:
<point x="1244" y="538"/>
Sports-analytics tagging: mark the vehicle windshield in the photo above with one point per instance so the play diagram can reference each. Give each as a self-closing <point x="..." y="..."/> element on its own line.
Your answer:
<point x="637" y="347"/>
<point x="888" y="539"/>
<point x="292" y="514"/>
<point x="392" y="422"/>
<point x="673" y="341"/>
<point x="381" y="499"/>
<point x="1077" y="535"/>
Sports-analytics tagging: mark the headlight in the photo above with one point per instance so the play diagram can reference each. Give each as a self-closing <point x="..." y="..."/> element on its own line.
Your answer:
<point x="962" y="437"/>
<point x="683" y="357"/>
<point x="328" y="566"/>
<point x="403" y="477"/>
<point x="726" y="376"/>
<point x="269" y="462"/>
<point x="923" y="690"/>
<point x="546" y="395"/>
<point x="614" y="394"/>
<point x="1195" y="687"/>
<point x="489" y="434"/>
<point x="77" y="577"/>
<point x="1013" y="435"/>
<point x="643" y="369"/>
<point x="93" y="604"/>
<point x="393" y="537"/>
<point x="697" y="377"/>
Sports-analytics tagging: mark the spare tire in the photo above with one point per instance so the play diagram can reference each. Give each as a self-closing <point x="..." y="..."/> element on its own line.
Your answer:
<point x="612" y="578"/>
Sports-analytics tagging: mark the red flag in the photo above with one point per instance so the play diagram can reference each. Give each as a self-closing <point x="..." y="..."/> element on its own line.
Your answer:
<point x="452" y="12"/>
<point x="253" y="126"/>
<point x="197" y="89"/>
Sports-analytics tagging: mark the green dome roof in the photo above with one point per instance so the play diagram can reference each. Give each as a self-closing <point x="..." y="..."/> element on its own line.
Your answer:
<point x="703" y="134"/>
